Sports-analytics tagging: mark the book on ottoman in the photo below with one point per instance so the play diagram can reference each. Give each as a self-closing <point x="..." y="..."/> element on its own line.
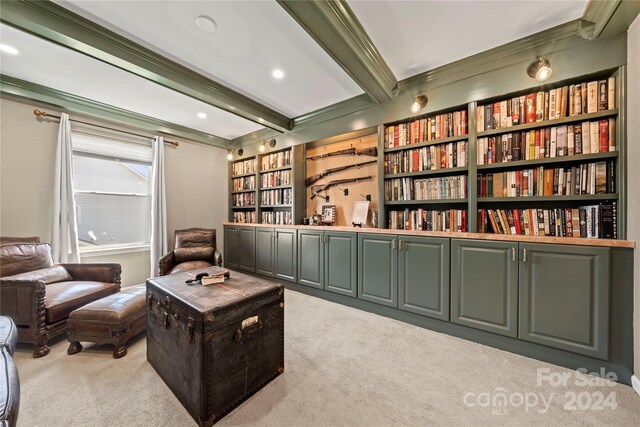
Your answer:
<point x="215" y="345"/>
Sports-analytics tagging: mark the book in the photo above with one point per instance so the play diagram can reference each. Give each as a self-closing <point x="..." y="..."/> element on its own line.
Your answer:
<point x="611" y="98"/>
<point x="592" y="97"/>
<point x="564" y="101"/>
<point x="603" y="95"/>
<point x="603" y="127"/>
<point x="530" y="108"/>
<point x="212" y="280"/>
<point x="612" y="134"/>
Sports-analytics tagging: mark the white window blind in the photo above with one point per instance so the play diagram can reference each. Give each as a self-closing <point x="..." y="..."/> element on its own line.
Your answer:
<point x="110" y="148"/>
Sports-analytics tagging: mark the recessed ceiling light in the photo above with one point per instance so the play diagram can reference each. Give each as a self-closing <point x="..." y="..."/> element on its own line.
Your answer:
<point x="202" y="115"/>
<point x="206" y="24"/>
<point x="278" y="74"/>
<point x="8" y="49"/>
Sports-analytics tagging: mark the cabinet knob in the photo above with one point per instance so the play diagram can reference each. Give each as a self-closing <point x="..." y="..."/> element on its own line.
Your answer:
<point x="524" y="255"/>
<point x="513" y="254"/>
<point x="393" y="244"/>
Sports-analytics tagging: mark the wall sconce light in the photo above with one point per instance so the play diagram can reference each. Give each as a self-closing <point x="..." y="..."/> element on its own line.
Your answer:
<point x="540" y="69"/>
<point x="229" y="155"/>
<point x="262" y="147"/>
<point x="419" y="102"/>
<point x="272" y="143"/>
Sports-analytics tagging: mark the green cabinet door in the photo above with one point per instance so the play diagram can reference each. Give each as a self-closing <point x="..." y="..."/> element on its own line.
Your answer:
<point x="377" y="263"/>
<point x="247" y="248"/>
<point x="264" y="250"/>
<point x="231" y="247"/>
<point x="484" y="285"/>
<point x="564" y="297"/>
<point x="311" y="258"/>
<point x="423" y="276"/>
<point x="286" y="254"/>
<point x="340" y="267"/>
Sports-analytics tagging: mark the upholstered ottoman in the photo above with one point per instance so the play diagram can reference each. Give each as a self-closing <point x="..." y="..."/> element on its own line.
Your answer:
<point x="111" y="320"/>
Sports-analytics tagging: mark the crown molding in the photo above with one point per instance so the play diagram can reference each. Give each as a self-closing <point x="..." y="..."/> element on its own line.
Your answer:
<point x="61" y="26"/>
<point x="596" y="16"/>
<point x="334" y="26"/>
<point x="76" y="104"/>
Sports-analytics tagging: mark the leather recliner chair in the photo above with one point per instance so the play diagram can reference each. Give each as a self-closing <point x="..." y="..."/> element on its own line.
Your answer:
<point x="194" y="248"/>
<point x="39" y="295"/>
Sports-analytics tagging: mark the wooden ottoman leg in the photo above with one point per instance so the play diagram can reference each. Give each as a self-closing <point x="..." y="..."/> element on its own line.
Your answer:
<point x="74" y="347"/>
<point x="120" y="351"/>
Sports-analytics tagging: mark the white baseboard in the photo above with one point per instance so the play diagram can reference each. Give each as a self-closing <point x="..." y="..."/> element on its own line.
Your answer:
<point x="635" y="383"/>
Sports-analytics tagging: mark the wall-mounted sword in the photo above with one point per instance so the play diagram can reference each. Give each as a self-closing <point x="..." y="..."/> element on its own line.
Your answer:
<point x="328" y="172"/>
<point x="321" y="188"/>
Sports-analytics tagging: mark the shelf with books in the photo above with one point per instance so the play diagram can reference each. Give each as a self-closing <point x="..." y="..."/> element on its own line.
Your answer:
<point x="448" y="220"/>
<point x="576" y="158"/>
<point x="284" y="168"/>
<point x="243" y="207"/>
<point x="244" y="191"/>
<point x="553" y="122"/>
<point x="426" y="202"/>
<point x="288" y="205"/>
<point x="427" y="143"/>
<point x="532" y="199"/>
<point x="445" y="171"/>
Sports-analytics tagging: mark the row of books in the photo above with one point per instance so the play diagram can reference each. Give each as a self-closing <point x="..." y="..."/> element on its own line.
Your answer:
<point x="244" y="183"/>
<point x="441" y="156"/>
<point x="243" y="167"/>
<point x="557" y="141"/>
<point x="276" y="160"/>
<point x="428" y="129"/>
<point x="566" y="101"/>
<point x="593" y="221"/>
<point x="443" y="187"/>
<point x="275" y="179"/>
<point x="282" y="196"/>
<point x="428" y="220"/>
<point x="277" y="217"/>
<point x="587" y="178"/>
<point x="245" y="217"/>
<point x="243" y="199"/>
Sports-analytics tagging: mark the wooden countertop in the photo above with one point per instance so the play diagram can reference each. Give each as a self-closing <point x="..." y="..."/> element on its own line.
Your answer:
<point x="611" y="243"/>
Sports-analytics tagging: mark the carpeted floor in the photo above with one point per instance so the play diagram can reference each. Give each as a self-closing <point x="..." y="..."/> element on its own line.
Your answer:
<point x="343" y="367"/>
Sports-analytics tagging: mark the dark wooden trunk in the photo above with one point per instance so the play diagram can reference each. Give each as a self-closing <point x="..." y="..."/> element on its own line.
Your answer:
<point x="216" y="345"/>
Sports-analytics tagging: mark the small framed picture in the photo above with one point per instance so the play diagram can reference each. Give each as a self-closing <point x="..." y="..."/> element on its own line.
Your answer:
<point x="328" y="214"/>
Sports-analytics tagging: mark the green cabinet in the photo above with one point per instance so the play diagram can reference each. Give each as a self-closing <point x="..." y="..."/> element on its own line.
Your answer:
<point x="264" y="250"/>
<point x="564" y="297"/>
<point x="285" y="254"/>
<point x="327" y="260"/>
<point x="484" y="285"/>
<point x="276" y="252"/>
<point x="377" y="265"/>
<point x="231" y="247"/>
<point x="311" y="258"/>
<point x="340" y="262"/>
<point x="423" y="276"/>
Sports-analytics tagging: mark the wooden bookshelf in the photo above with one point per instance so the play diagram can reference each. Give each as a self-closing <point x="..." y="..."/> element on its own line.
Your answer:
<point x="237" y="175"/>
<point x="578" y="158"/>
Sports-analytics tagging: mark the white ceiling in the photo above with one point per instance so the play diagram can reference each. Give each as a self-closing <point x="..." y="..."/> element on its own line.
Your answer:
<point x="417" y="36"/>
<point x="60" y="68"/>
<point x="251" y="40"/>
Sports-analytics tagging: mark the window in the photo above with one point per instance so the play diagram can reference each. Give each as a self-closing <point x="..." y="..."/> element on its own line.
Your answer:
<point x="111" y="182"/>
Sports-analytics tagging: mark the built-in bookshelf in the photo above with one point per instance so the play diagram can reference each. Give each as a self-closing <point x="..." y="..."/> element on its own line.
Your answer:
<point x="243" y="190"/>
<point x="425" y="183"/>
<point x="263" y="188"/>
<point x="547" y="160"/>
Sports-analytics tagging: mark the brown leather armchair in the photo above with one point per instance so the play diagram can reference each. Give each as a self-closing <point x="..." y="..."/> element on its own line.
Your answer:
<point x="39" y="295"/>
<point x="194" y="248"/>
<point x="9" y="381"/>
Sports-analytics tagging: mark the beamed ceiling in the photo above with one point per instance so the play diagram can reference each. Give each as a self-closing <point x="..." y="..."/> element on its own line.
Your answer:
<point x="150" y="57"/>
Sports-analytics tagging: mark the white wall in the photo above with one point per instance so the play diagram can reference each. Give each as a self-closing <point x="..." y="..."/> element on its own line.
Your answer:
<point x="633" y="170"/>
<point x="195" y="177"/>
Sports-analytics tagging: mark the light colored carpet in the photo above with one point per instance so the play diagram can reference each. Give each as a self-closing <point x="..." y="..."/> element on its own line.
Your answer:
<point x="343" y="367"/>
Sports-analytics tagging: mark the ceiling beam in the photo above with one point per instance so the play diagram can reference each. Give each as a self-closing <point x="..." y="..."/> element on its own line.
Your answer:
<point x="76" y="104"/>
<point x="59" y="25"/>
<point x="595" y="18"/>
<point x="334" y="26"/>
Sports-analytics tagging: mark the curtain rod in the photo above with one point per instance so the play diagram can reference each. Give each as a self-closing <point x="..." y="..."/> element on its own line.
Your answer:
<point x="39" y="113"/>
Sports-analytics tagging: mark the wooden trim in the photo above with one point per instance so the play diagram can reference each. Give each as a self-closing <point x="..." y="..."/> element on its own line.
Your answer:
<point x="444" y="171"/>
<point x="334" y="26"/>
<point x="428" y="143"/>
<point x="56" y="24"/>
<point x="533" y="199"/>
<point x="576" y="158"/>
<point x="580" y="241"/>
<point x="76" y="104"/>
<point x="596" y="16"/>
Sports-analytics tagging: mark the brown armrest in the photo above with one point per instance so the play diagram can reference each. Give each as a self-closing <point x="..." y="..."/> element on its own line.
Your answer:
<point x="22" y="300"/>
<point x="97" y="272"/>
<point x="165" y="264"/>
